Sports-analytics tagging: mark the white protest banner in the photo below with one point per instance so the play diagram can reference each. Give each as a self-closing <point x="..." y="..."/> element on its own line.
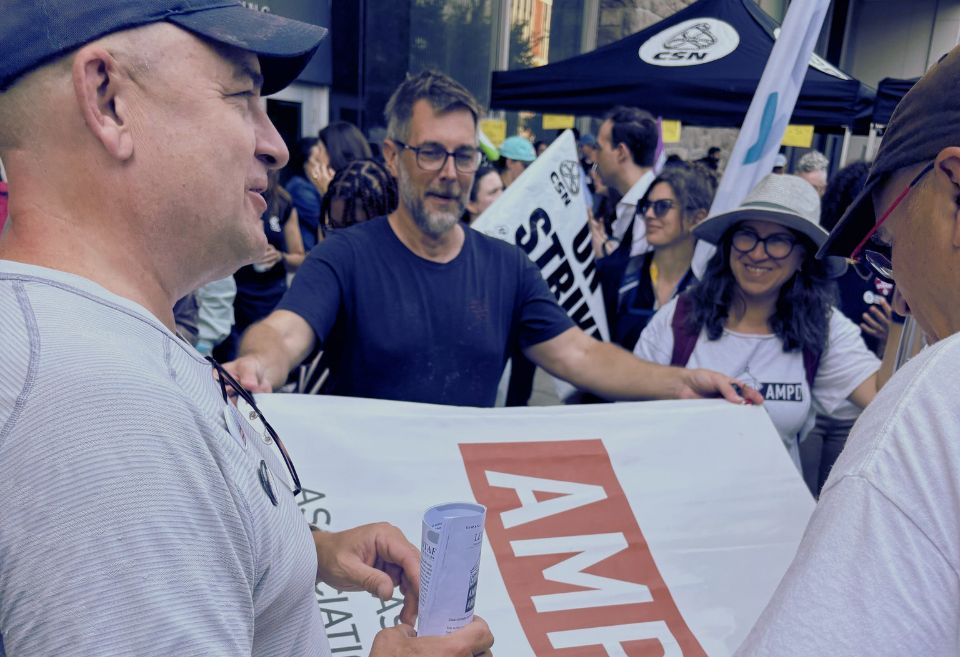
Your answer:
<point x="545" y="214"/>
<point x="640" y="529"/>
<point x="769" y="113"/>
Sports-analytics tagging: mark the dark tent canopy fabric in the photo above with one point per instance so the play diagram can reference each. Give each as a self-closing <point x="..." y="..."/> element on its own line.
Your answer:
<point x="712" y="93"/>
<point x="889" y="93"/>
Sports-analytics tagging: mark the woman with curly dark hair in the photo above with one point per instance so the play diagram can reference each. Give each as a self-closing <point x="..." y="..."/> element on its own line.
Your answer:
<point x="763" y="312"/>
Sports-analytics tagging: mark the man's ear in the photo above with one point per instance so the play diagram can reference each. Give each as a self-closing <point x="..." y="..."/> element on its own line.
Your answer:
<point x="390" y="155"/>
<point x="623" y="153"/>
<point x="98" y="86"/>
<point x="948" y="162"/>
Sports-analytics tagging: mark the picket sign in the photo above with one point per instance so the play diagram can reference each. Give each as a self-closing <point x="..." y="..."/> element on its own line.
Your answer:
<point x="544" y="212"/>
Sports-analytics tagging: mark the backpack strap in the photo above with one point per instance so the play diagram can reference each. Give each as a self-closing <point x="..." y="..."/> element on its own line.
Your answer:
<point x="684" y="340"/>
<point x="811" y="363"/>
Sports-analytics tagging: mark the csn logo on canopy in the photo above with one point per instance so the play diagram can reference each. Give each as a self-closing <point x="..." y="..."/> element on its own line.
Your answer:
<point x="692" y="42"/>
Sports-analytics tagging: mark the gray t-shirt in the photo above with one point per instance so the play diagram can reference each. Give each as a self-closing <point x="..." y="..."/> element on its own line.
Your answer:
<point x="133" y="520"/>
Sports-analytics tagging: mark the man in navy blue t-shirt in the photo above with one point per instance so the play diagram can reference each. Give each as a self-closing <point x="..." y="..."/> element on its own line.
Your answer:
<point x="416" y="307"/>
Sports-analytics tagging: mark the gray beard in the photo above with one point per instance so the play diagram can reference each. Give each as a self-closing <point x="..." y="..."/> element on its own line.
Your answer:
<point x="434" y="225"/>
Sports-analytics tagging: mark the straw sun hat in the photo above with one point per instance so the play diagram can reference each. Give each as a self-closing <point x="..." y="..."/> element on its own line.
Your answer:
<point x="789" y="201"/>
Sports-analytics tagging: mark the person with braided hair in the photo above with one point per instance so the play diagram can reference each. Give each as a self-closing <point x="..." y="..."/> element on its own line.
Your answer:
<point x="361" y="191"/>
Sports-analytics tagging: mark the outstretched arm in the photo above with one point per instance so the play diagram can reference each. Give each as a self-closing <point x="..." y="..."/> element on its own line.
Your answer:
<point x="270" y="349"/>
<point x="609" y="371"/>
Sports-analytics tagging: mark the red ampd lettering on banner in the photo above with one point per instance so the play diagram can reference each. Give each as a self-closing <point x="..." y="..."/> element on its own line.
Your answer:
<point x="575" y="563"/>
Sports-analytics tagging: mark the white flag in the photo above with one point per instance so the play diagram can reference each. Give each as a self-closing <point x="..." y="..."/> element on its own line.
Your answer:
<point x="769" y="113"/>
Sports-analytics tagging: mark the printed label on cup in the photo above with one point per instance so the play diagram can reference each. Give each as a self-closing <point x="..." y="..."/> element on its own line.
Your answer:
<point x="449" y="566"/>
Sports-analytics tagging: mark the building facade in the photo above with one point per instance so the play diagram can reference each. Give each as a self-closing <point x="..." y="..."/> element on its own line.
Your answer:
<point x="375" y="43"/>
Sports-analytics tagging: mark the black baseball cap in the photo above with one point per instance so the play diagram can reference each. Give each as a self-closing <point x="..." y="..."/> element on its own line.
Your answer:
<point x="925" y="122"/>
<point x="34" y="32"/>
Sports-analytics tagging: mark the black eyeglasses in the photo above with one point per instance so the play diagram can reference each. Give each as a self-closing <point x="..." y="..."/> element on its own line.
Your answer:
<point x="660" y="207"/>
<point x="433" y="157"/>
<point x="226" y="379"/>
<point x="777" y="246"/>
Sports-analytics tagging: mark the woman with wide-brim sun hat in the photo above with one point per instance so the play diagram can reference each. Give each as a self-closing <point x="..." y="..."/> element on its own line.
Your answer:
<point x="764" y="311"/>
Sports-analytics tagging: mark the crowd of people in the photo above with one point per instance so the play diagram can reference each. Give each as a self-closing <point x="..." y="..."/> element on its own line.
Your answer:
<point x="363" y="260"/>
<point x="765" y="312"/>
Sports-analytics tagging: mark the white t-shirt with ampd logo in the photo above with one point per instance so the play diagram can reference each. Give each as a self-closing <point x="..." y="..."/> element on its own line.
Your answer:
<point x="760" y="361"/>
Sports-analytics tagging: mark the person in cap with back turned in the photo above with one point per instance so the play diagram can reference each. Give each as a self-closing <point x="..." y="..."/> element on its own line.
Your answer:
<point x="877" y="571"/>
<point x="143" y="514"/>
<point x="763" y="312"/>
<point x="516" y="154"/>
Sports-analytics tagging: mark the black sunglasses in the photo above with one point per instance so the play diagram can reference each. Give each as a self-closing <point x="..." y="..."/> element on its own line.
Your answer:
<point x="225" y="379"/>
<point x="660" y="207"/>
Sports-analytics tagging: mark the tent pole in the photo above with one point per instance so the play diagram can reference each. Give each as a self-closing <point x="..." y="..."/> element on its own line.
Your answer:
<point x="588" y="30"/>
<point x="844" y="150"/>
<point x="502" y="54"/>
<point x="872" y="142"/>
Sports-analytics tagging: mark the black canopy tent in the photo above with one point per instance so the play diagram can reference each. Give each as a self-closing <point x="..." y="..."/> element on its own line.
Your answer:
<point x="889" y="93"/>
<point x="691" y="80"/>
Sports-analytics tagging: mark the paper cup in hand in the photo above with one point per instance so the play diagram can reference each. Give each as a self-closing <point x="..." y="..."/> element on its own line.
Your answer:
<point x="449" y="566"/>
